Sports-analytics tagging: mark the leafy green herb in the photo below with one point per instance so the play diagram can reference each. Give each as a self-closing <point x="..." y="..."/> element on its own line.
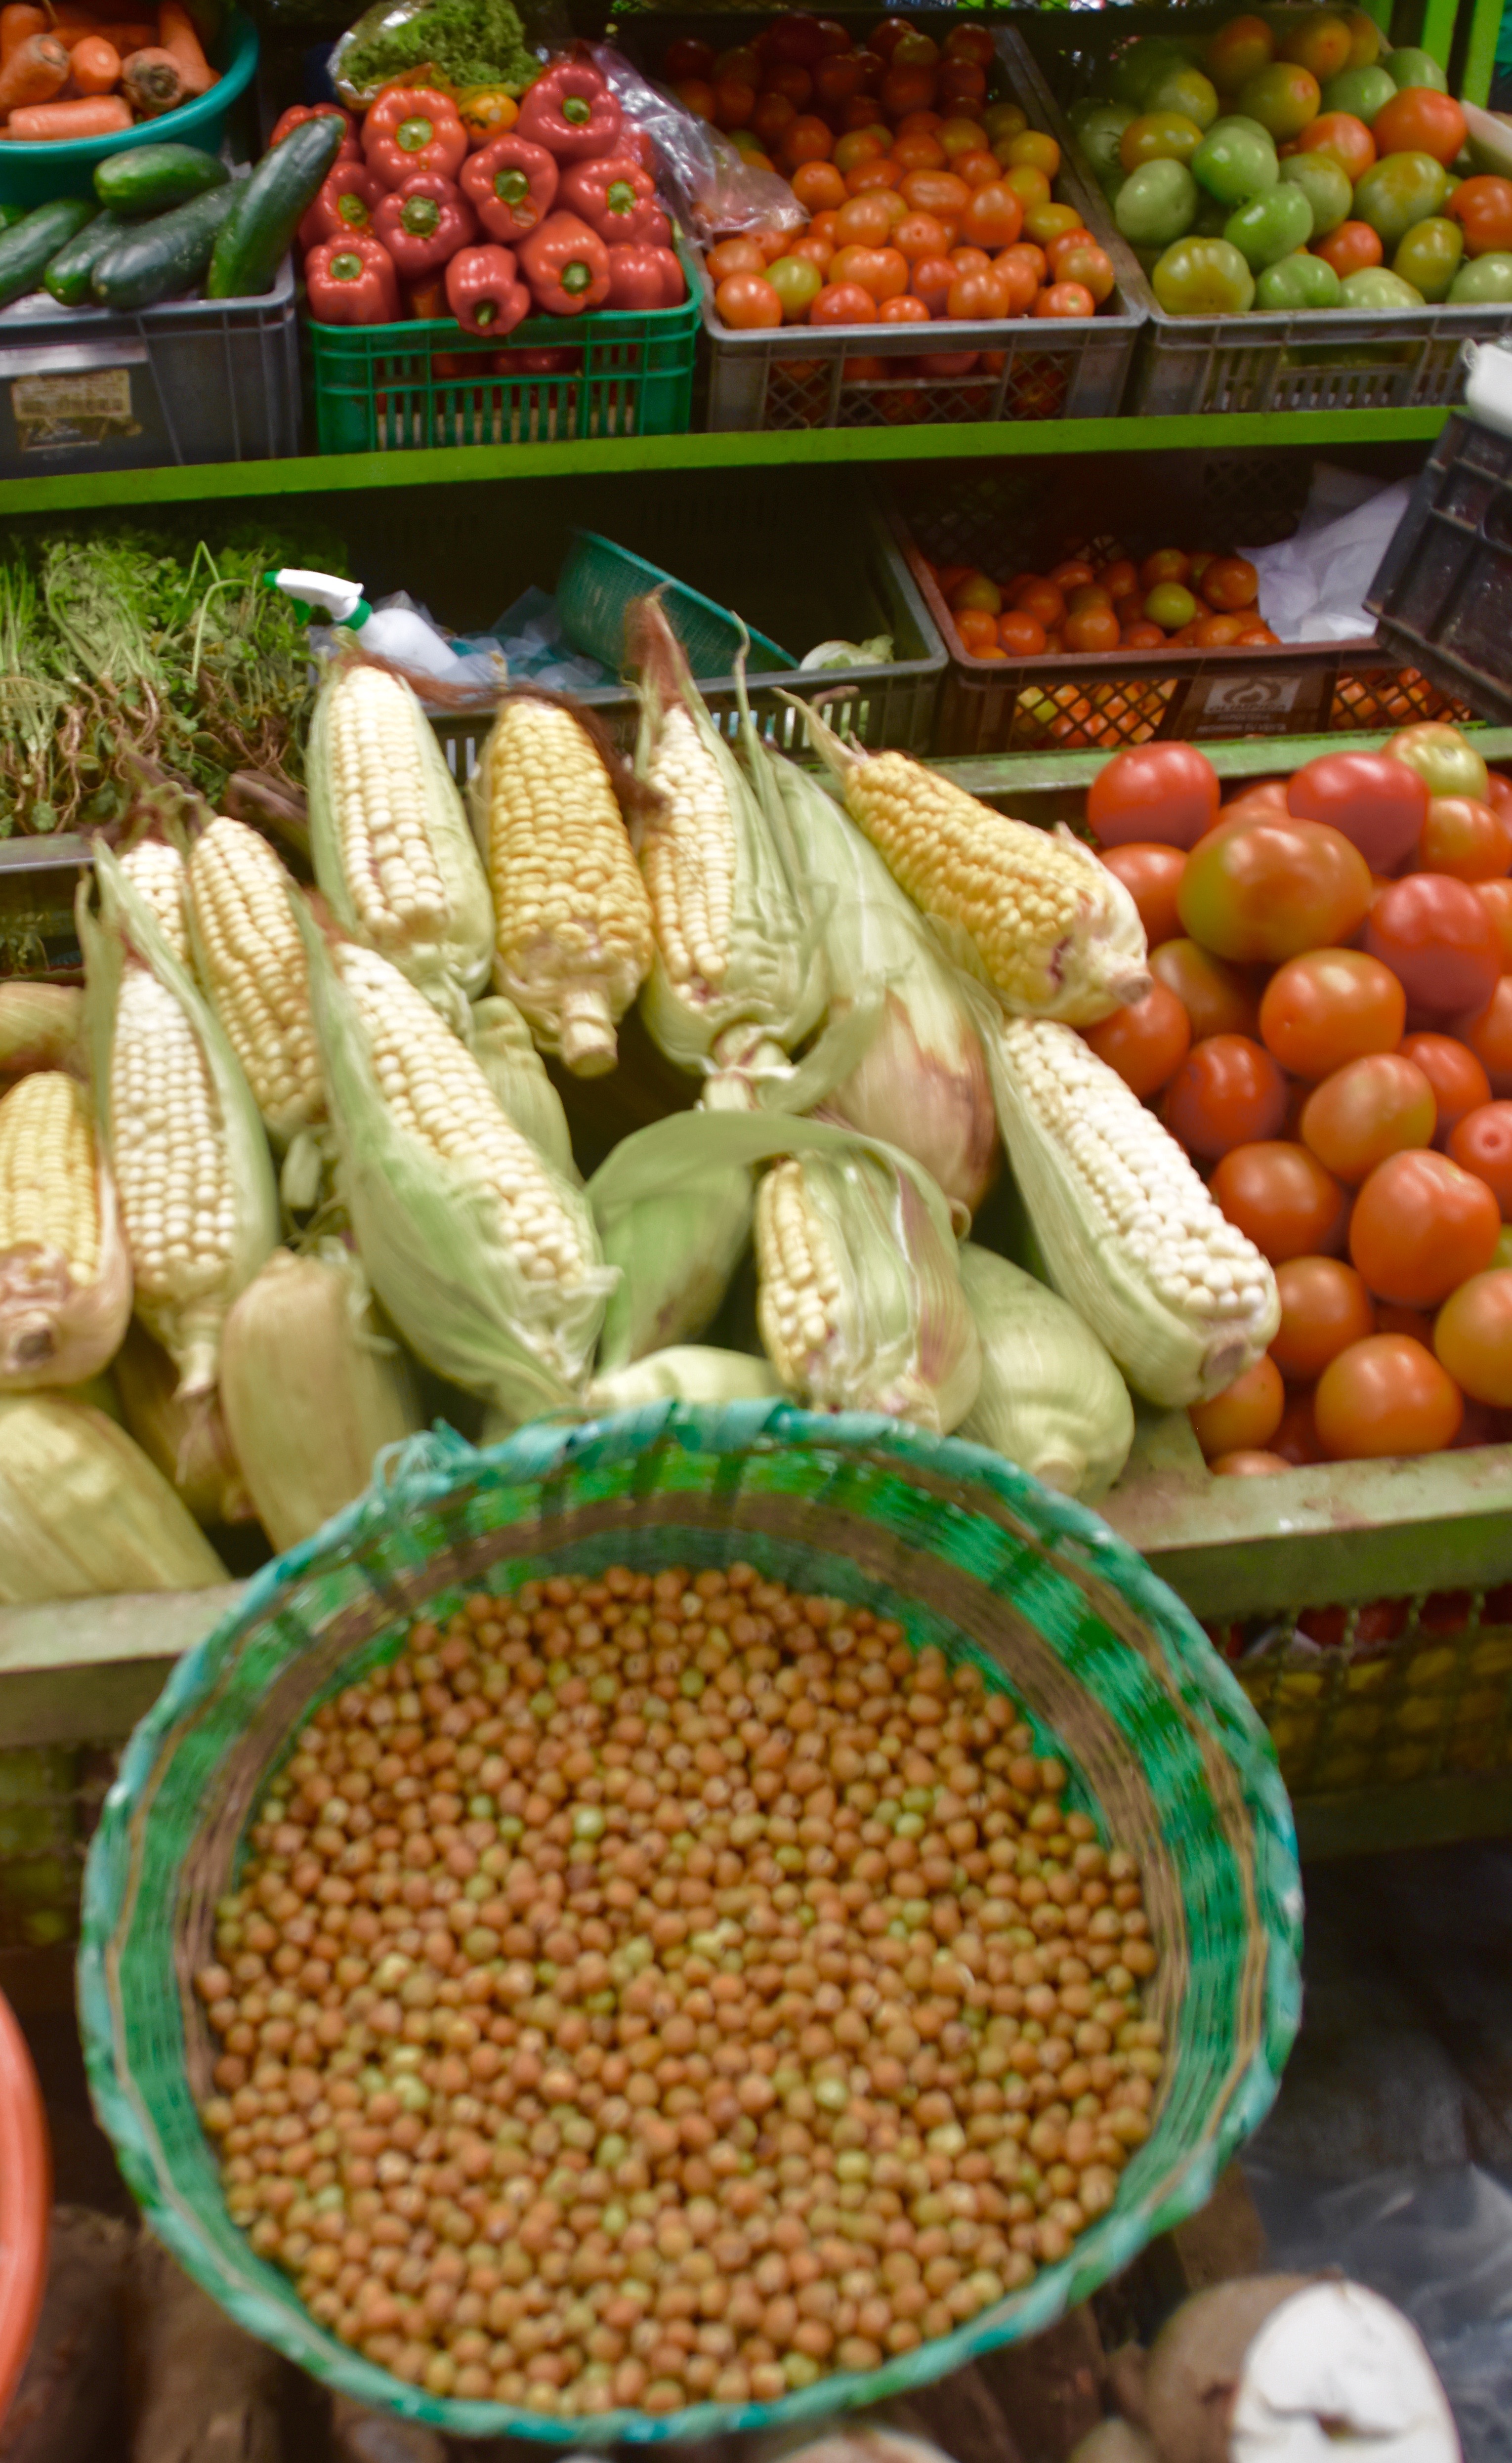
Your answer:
<point x="472" y="42"/>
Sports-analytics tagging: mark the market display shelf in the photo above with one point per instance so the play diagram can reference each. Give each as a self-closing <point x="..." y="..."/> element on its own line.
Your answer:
<point x="320" y="473"/>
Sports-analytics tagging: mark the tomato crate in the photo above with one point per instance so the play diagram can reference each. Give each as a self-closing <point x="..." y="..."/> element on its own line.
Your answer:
<point x="399" y="388"/>
<point x="1443" y="594"/>
<point x="1026" y="515"/>
<point x="1327" y="360"/>
<point x="867" y="375"/>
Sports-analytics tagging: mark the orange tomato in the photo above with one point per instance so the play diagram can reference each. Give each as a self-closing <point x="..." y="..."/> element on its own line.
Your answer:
<point x="1280" y="1197"/>
<point x="880" y="270"/>
<point x="1465" y="839"/>
<point x="1247" y="1462"/>
<point x="960" y="136"/>
<point x="1344" y="140"/>
<point x="1142" y="634"/>
<point x="1019" y="634"/>
<point x="1488" y="1033"/>
<point x="818" y="184"/>
<point x="976" y="295"/>
<point x="1325" y="1307"/>
<point x="844" y="303"/>
<point x="1458" y="1079"/>
<point x="1329" y="1006"/>
<point x="697" y="95"/>
<point x="1039" y="599"/>
<point x="1237" y="51"/>
<point x="1483" y="206"/>
<point x="1145" y="1042"/>
<point x="1246" y="1416"/>
<point x="1029" y="184"/>
<point x="860" y="145"/>
<point x="1473" y="1337"/>
<point x="869" y="178"/>
<point x="975" y="590"/>
<point x="1166" y="565"/>
<point x="1218" y="632"/>
<point x="1296" y="1440"/>
<point x="1272" y="888"/>
<point x="935" y="193"/>
<point x="1318" y="41"/>
<point x="1351" y="248"/>
<point x="920" y="152"/>
<point x="1049" y="222"/>
<point x="1067" y="299"/>
<point x="1084" y="262"/>
<point x="1227" y="1092"/>
<point x="1216" y="997"/>
<point x="836" y="82"/>
<point x="992" y="217"/>
<point x="735" y="101"/>
<point x="904" y="310"/>
<point x="806" y="140"/>
<point x="1387" y="1395"/>
<point x="1032" y="149"/>
<point x="1419" y="121"/>
<point x="1088" y="628"/>
<point x="734" y="256"/>
<point x="977" y="630"/>
<point x="904" y="90"/>
<point x="861" y="222"/>
<point x="977" y="170"/>
<point x="930" y="281"/>
<point x="813" y="249"/>
<point x="1019" y="280"/>
<point x="1228" y="582"/>
<point x="1151" y="874"/>
<point x="1371" y="1108"/>
<point x="1481" y="1143"/>
<point x="1496" y="897"/>
<point x="919" y="235"/>
<point x="748" y="304"/>
<point x="1421" y="1226"/>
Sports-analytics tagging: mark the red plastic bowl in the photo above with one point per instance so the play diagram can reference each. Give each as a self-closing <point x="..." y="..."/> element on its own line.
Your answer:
<point x="25" y="2198"/>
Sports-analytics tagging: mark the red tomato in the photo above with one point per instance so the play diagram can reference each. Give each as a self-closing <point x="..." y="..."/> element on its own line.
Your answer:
<point x="1329" y="1006"/>
<point x="1091" y="628"/>
<point x="1458" y="1079"/>
<point x="1473" y="1337"/>
<point x="1218" y="999"/>
<point x="1386" y="1396"/>
<point x="1145" y="1042"/>
<point x="1247" y="1462"/>
<point x="1020" y="634"/>
<point x="1482" y="208"/>
<point x="1344" y="140"/>
<point x="1230" y="582"/>
<point x="1351" y="249"/>
<point x="1271" y="889"/>
<point x="1419" y="120"/>
<point x="1481" y="1143"/>
<point x="1296" y="1440"/>
<point x="1371" y="1108"/>
<point x="1073" y="299"/>
<point x="1280" y="1197"/>
<point x="1496" y="897"/>
<point x="1246" y="1413"/>
<point x="747" y="303"/>
<point x="1439" y="939"/>
<point x="1488" y="1033"/>
<point x="1366" y="797"/>
<point x="1168" y="793"/>
<point x="1465" y="839"/>
<point x="844" y="303"/>
<point x="1325" y="1307"/>
<point x="1151" y="874"/>
<point x="1420" y="1225"/>
<point x="1265" y="801"/>
<point x="1227" y="1092"/>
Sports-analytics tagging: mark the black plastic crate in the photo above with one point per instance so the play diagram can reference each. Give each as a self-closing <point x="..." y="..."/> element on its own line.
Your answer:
<point x="1443" y="594"/>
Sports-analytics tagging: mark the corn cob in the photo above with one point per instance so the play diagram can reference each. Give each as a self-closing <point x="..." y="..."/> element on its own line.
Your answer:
<point x="1129" y="1234"/>
<point x="687" y="1372"/>
<point x="186" y="1440"/>
<point x="1051" y="1398"/>
<point x="250" y="961"/>
<point x="65" y="1278"/>
<point x="572" y="930"/>
<point x="677" y="1250"/>
<point x="82" y="1511"/>
<point x="39" y="1026"/>
<point x="1039" y="917"/>
<point x="157" y="873"/>
<point x="393" y="854"/>
<point x="499" y="1041"/>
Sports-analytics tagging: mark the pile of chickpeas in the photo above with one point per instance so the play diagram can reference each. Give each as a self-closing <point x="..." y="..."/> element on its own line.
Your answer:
<point x="661" y="1989"/>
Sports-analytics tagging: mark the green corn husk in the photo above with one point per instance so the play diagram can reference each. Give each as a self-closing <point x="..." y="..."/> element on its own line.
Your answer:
<point x="677" y="1255"/>
<point x="1051" y="1398"/>
<point x="189" y="1328"/>
<point x="501" y="1044"/>
<point x="432" y="1243"/>
<point x="739" y="1010"/>
<point x="687" y="1372"/>
<point x="83" y="1512"/>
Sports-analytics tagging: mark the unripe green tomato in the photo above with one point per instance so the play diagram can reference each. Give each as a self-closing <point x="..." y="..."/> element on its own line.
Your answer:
<point x="1441" y="756"/>
<point x="1326" y="187"/>
<point x="1099" y="128"/>
<point x="1397" y="193"/>
<point x="1158" y="137"/>
<point x="1156" y="204"/>
<point x="797" y="284"/>
<point x="1185" y="89"/>
<point x="1169" y="605"/>
<point x="1270" y="227"/>
<point x="1235" y="161"/>
<point x="1300" y="281"/>
<point x="1212" y="216"/>
<point x="1411" y="67"/>
<point x="1429" y="256"/>
<point x="1359" y="92"/>
<point x="1283" y="98"/>
<point x="1377" y="287"/>
<point x="1203" y="278"/>
<point x="1487" y="279"/>
<point x="1139" y="69"/>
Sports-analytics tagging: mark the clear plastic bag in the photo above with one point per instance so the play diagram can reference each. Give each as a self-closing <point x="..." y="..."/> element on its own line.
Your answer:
<point x="714" y="190"/>
<point x="542" y="27"/>
<point x="1313" y="584"/>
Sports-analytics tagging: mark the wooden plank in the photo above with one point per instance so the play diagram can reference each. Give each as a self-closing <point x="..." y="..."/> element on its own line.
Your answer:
<point x="77" y="1671"/>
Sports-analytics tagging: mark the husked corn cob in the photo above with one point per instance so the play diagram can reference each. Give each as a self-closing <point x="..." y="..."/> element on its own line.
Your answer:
<point x="252" y="962"/>
<point x="572" y="930"/>
<point x="688" y="856"/>
<point x="1039" y="917"/>
<point x="39" y="1026"/>
<point x="65" y="1284"/>
<point x="157" y="873"/>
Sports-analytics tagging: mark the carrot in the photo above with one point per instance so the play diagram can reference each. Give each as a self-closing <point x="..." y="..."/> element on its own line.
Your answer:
<point x="96" y="114"/>
<point x="33" y="73"/>
<point x="18" y="19"/>
<point x="152" y="83"/>
<point x="126" y="39"/>
<point x="177" y="36"/>
<point x="96" y="65"/>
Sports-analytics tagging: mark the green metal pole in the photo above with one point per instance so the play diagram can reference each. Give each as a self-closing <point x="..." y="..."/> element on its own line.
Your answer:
<point x="1481" y="50"/>
<point x="1438" y="29"/>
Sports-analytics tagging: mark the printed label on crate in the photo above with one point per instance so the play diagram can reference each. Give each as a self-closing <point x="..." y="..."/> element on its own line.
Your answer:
<point x="1246" y="705"/>
<point x="85" y="406"/>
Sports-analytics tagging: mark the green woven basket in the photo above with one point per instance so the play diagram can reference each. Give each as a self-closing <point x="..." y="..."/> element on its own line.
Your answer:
<point x="965" y="1551"/>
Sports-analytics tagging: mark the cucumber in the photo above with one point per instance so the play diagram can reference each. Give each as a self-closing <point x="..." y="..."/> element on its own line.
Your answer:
<point x="149" y="178"/>
<point x="11" y="215"/>
<point x="269" y="207"/>
<point x="67" y="274"/>
<point x="30" y="245"/>
<point x="159" y="258"/>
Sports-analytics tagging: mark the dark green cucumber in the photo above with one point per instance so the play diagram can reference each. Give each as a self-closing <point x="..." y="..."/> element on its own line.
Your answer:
<point x="269" y="207"/>
<point x="67" y="275"/>
<point x="159" y="258"/>
<point x="28" y="246"/>
<point x="11" y="215"/>
<point x="149" y="178"/>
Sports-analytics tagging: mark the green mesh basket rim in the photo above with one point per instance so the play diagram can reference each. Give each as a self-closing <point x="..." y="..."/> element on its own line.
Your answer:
<point x="420" y="1475"/>
<point x="710" y="634"/>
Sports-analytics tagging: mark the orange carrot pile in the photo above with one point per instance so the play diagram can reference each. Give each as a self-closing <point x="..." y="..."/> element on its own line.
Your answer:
<point x="69" y="72"/>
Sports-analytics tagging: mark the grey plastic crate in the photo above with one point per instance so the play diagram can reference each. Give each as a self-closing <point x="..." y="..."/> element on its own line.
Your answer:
<point x="192" y="380"/>
<point x="1443" y="594"/>
<point x="1331" y="360"/>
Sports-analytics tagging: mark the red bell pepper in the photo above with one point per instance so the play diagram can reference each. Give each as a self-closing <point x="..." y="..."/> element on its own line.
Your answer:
<point x="299" y="113"/>
<point x="484" y="290"/>
<point x="571" y="111"/>
<point x="640" y="145"/>
<point x="510" y="185"/>
<point x="422" y="222"/>
<point x="612" y="195"/>
<point x="343" y="202"/>
<point x="658" y="231"/>
<point x="567" y="265"/>
<point x="642" y="276"/>
<point x="413" y="128"/>
<point x="352" y="282"/>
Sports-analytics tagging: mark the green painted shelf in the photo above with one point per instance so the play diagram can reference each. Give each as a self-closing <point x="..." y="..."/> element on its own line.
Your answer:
<point x="320" y="474"/>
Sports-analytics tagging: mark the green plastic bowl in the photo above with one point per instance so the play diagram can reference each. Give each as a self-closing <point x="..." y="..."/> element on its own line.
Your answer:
<point x="596" y="585"/>
<point x="32" y="175"/>
<point x="969" y="1553"/>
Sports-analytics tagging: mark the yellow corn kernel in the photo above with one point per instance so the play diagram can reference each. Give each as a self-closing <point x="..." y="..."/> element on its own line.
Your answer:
<point x="155" y="872"/>
<point x="48" y="1192"/>
<point x="253" y="966"/>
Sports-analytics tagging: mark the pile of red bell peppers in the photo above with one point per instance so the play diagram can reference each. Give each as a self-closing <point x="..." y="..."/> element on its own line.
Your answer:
<point x="425" y="215"/>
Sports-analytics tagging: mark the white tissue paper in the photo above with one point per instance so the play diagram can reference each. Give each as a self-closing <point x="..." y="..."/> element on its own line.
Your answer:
<point x="1312" y="586"/>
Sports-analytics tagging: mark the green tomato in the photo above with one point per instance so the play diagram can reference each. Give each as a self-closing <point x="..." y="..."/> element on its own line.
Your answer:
<point x="1099" y="128"/>
<point x="1410" y="67"/>
<point x="1397" y="193"/>
<point x="789" y="277"/>
<point x="1377" y="287"/>
<point x="1487" y="280"/>
<point x="1359" y="92"/>
<point x="1298" y="281"/>
<point x="1326" y="187"/>
<point x="1169" y="605"/>
<point x="1212" y="216"/>
<point x="1203" y="278"/>
<point x="1429" y="256"/>
<point x="1158" y="137"/>
<point x="1156" y="204"/>
<point x="1235" y="161"/>
<point x="1141" y="67"/>
<point x="1282" y="98"/>
<point x="1270" y="227"/>
<point x="1185" y="89"/>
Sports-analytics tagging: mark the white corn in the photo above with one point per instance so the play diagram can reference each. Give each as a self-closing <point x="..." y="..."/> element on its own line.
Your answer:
<point x="155" y="872"/>
<point x="253" y="964"/>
